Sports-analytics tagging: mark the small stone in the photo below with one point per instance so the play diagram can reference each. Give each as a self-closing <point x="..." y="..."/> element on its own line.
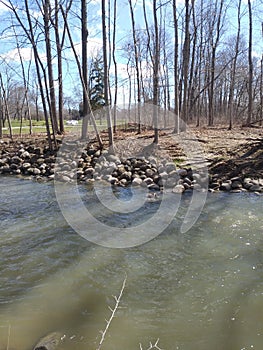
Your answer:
<point x="236" y="185"/>
<point x="36" y="171"/>
<point x="178" y="189"/>
<point x="148" y="181"/>
<point x="170" y="182"/>
<point x="255" y="188"/>
<point x="182" y="172"/>
<point x="136" y="181"/>
<point x="225" y="186"/>
<point x="170" y="166"/>
<point x="153" y="187"/>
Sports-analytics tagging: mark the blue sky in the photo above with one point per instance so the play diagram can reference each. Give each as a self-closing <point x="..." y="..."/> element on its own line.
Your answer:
<point x="9" y="53"/>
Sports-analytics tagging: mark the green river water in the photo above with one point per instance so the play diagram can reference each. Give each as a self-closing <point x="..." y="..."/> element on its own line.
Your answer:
<point x="202" y="289"/>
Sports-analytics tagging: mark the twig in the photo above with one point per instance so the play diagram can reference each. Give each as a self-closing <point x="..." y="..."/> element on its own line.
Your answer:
<point x="8" y="337"/>
<point x="113" y="311"/>
<point x="152" y="346"/>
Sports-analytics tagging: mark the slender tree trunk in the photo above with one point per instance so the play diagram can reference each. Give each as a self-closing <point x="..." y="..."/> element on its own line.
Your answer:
<point x="176" y="83"/>
<point x="84" y="65"/>
<point x="105" y="65"/>
<point x="81" y="77"/>
<point x="250" y="68"/>
<point x="233" y="70"/>
<point x="186" y="58"/>
<point x="136" y="54"/>
<point x="156" y="64"/>
<point x="6" y="107"/>
<point x="115" y="66"/>
<point x="53" y="109"/>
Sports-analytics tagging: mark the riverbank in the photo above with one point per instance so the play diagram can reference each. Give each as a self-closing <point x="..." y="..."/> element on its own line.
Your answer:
<point x="234" y="160"/>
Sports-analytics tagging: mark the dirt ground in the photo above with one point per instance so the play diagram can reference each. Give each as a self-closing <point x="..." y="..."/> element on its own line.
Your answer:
<point x="227" y="153"/>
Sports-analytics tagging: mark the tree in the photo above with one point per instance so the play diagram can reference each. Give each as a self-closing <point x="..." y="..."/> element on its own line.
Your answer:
<point x="233" y="69"/>
<point x="136" y="56"/>
<point x="250" y="67"/>
<point x="156" y="64"/>
<point x="105" y="67"/>
<point x="96" y="84"/>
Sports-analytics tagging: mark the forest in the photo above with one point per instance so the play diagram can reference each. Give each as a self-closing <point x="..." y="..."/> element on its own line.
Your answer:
<point x="202" y="60"/>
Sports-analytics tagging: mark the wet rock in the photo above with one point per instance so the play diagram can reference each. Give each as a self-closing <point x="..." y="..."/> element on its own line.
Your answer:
<point x="178" y="189"/>
<point x="49" y="342"/>
<point x="170" y="182"/>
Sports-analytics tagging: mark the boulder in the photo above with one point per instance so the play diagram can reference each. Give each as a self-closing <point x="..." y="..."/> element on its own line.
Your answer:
<point x="49" y="342"/>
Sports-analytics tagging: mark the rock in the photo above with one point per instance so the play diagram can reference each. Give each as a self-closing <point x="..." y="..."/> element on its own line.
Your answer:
<point x="170" y="182"/>
<point x="148" y="180"/>
<point x="163" y="175"/>
<point x="5" y="169"/>
<point x="182" y="172"/>
<point x="113" y="158"/>
<point x="25" y="154"/>
<point x="178" y="189"/>
<point x="255" y="188"/>
<point x="49" y="342"/>
<point x="136" y="181"/>
<point x="170" y="167"/>
<point x="16" y="160"/>
<point x="26" y="166"/>
<point x="149" y="172"/>
<point x="225" y="186"/>
<point x="153" y="187"/>
<point x="36" y="171"/>
<point x="236" y="184"/>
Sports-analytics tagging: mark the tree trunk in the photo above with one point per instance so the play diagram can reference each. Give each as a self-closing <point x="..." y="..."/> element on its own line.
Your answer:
<point x="136" y="54"/>
<point x="53" y="109"/>
<point x="105" y="65"/>
<point x="250" y="68"/>
<point x="156" y="63"/>
<point x="84" y="65"/>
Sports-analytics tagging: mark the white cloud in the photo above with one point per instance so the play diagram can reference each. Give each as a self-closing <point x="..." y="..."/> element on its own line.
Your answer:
<point x="3" y="8"/>
<point x="26" y="54"/>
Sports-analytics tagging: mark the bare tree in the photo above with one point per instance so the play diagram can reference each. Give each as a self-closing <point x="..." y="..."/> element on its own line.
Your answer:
<point x="156" y="64"/>
<point x="106" y="80"/>
<point x="233" y="68"/>
<point x="136" y="57"/>
<point x="250" y="67"/>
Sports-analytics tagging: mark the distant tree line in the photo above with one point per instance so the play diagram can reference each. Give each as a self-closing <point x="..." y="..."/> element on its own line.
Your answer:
<point x="181" y="57"/>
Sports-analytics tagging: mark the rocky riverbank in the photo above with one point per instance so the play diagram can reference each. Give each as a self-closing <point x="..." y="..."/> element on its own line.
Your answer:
<point x="33" y="158"/>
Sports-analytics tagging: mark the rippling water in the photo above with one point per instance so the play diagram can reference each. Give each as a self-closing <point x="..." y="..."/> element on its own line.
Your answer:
<point x="199" y="290"/>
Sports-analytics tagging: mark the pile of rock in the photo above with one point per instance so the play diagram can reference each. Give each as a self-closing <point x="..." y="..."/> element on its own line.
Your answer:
<point x="96" y="165"/>
<point x="236" y="185"/>
<point x="28" y="160"/>
<point x="92" y="164"/>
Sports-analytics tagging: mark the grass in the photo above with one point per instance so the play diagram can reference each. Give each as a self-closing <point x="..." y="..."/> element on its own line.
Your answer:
<point x="40" y="126"/>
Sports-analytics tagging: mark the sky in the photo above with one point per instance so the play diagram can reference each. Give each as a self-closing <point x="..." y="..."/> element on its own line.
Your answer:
<point x="9" y="53"/>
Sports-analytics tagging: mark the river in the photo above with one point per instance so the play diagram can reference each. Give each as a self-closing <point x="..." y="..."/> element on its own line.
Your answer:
<point x="202" y="289"/>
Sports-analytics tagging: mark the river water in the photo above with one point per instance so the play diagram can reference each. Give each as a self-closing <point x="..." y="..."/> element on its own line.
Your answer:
<point x="202" y="289"/>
